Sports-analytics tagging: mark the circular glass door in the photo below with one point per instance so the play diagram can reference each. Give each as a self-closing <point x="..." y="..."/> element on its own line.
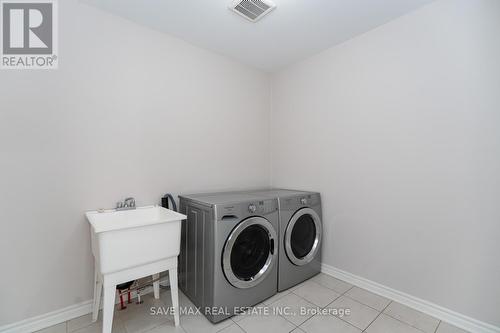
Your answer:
<point x="303" y="236"/>
<point x="249" y="253"/>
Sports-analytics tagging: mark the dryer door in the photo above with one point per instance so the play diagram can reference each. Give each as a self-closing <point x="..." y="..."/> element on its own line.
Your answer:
<point x="250" y="252"/>
<point x="303" y="236"/>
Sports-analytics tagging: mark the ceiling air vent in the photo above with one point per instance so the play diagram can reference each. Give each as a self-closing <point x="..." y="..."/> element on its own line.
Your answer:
<point x="252" y="10"/>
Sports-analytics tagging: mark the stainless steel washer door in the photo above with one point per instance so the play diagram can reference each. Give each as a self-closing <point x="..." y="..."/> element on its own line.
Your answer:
<point x="303" y="236"/>
<point x="250" y="252"/>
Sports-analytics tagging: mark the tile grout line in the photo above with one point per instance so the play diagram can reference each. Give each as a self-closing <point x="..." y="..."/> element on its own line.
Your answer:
<point x="305" y="321"/>
<point x="340" y="295"/>
<point x="439" y="324"/>
<point x="390" y="301"/>
<point x="377" y="316"/>
<point x="407" y="324"/>
<point x="338" y="292"/>
<point x="352" y="298"/>
<point x="371" y="307"/>
<point x="379" y="312"/>
<point x="344" y="295"/>
<point x="286" y="294"/>
<point x="239" y="326"/>
<point x="226" y="326"/>
<point x="279" y="315"/>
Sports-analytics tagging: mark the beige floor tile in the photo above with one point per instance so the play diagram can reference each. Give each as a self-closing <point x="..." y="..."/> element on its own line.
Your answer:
<point x="266" y="321"/>
<point x="143" y="319"/>
<point x="386" y="324"/>
<point x="327" y="324"/>
<point x="293" y="308"/>
<point x="59" y="328"/>
<point x="412" y="317"/>
<point x="81" y="322"/>
<point x="368" y="298"/>
<point x="297" y="286"/>
<point x="332" y="283"/>
<point x="167" y="328"/>
<point x="316" y="293"/>
<point x="447" y="328"/>
<point x="232" y="329"/>
<point x="200" y="324"/>
<point x="360" y="315"/>
<point x="97" y="327"/>
<point x="298" y="330"/>
<point x="276" y="297"/>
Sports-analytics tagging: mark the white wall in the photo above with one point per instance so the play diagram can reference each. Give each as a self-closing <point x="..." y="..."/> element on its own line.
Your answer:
<point x="398" y="128"/>
<point x="400" y="131"/>
<point x="129" y="112"/>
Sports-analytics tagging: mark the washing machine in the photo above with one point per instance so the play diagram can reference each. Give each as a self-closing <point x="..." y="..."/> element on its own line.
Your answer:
<point x="300" y="235"/>
<point x="229" y="251"/>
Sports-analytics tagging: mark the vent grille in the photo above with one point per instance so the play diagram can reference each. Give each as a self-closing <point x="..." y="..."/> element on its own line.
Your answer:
<point x="252" y="10"/>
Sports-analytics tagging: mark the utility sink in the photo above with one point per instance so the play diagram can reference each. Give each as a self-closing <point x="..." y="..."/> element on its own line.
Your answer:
<point x="131" y="244"/>
<point x="129" y="238"/>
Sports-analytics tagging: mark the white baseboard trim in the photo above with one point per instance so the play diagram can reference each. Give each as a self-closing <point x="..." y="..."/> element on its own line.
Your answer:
<point x="49" y="319"/>
<point x="60" y="316"/>
<point x="444" y="314"/>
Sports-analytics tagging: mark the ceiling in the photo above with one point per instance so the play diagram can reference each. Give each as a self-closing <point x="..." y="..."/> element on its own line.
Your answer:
<point x="295" y="30"/>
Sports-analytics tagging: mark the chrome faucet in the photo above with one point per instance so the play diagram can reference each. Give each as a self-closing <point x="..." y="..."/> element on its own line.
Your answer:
<point x="127" y="204"/>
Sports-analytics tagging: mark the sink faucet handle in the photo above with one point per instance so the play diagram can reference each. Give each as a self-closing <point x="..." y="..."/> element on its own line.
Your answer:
<point x="119" y="204"/>
<point x="129" y="202"/>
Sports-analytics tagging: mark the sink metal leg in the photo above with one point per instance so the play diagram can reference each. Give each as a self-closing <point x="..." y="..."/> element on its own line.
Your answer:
<point x="97" y="294"/>
<point x="156" y="285"/>
<point x="172" y="274"/>
<point x="108" y="308"/>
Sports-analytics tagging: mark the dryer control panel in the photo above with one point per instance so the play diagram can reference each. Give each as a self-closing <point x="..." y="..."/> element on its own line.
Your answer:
<point x="241" y="210"/>
<point x="306" y="200"/>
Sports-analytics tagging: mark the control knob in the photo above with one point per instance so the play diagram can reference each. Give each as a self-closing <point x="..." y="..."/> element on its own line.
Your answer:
<point x="252" y="208"/>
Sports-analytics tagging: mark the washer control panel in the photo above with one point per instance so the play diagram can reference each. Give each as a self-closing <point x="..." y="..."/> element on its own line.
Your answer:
<point x="263" y="207"/>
